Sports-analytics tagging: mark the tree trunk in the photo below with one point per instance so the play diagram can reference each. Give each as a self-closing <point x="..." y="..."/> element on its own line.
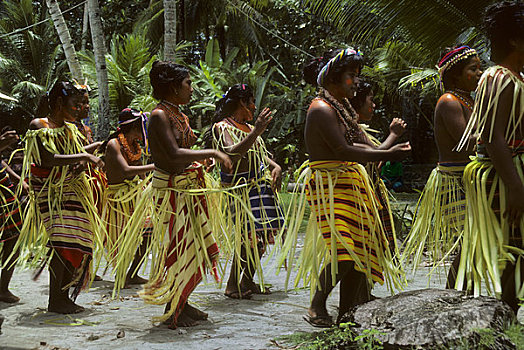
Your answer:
<point x="169" y="29"/>
<point x="181" y="33"/>
<point x="65" y="39"/>
<point x="97" y="35"/>
<point x="85" y="26"/>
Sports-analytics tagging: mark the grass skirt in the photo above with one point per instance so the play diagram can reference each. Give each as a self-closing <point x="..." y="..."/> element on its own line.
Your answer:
<point x="182" y="243"/>
<point x="489" y="243"/>
<point x="344" y="225"/>
<point x="439" y="217"/>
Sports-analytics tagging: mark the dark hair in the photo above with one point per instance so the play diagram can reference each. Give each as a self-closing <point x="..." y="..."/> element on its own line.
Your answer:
<point x="312" y="68"/>
<point x="364" y="89"/>
<point x="449" y="75"/>
<point x="503" y="21"/>
<point x="125" y="114"/>
<point x="227" y="105"/>
<point x="61" y="89"/>
<point x="165" y="73"/>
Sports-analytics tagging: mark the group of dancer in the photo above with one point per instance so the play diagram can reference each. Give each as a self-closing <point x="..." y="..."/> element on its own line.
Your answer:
<point x="147" y="191"/>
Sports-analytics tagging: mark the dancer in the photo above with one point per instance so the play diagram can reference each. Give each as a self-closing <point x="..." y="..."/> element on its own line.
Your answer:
<point x="253" y="181"/>
<point x="182" y="241"/>
<point x="126" y="177"/>
<point x="345" y="234"/>
<point x="492" y="248"/>
<point x="365" y="107"/>
<point x="10" y="219"/>
<point x="441" y="210"/>
<point x="61" y="203"/>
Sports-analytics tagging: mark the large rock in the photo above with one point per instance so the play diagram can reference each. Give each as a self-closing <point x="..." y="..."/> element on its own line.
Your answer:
<point x="433" y="318"/>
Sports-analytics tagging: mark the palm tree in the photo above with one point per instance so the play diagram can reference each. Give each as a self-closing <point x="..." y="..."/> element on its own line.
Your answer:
<point x="28" y="58"/>
<point x="169" y="29"/>
<point x="99" y="49"/>
<point x="65" y="39"/>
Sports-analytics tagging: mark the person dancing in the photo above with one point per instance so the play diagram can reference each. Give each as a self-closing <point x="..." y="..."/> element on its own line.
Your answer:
<point x="493" y="244"/>
<point x="255" y="222"/>
<point x="345" y="237"/>
<point x="441" y="210"/>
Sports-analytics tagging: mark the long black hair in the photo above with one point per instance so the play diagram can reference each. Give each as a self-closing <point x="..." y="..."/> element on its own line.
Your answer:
<point x="313" y="67"/>
<point x="364" y="89"/>
<point x="503" y="22"/>
<point x="227" y="105"/>
<point x="163" y="74"/>
<point x="49" y="102"/>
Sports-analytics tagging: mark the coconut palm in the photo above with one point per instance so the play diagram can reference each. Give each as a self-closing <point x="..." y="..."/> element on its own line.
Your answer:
<point x="65" y="39"/>
<point x="29" y="58"/>
<point x="169" y="29"/>
<point x="99" y="49"/>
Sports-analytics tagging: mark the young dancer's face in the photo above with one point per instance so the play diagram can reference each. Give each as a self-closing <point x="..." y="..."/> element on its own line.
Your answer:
<point x="349" y="82"/>
<point x="184" y="91"/>
<point x="365" y="113"/>
<point x="248" y="108"/>
<point x="80" y="106"/>
<point x="470" y="75"/>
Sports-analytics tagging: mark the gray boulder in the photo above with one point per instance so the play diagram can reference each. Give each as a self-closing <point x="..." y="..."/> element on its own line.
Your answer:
<point x="434" y="319"/>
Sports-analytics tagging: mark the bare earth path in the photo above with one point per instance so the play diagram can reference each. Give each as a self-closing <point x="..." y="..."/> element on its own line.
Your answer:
<point x="126" y="323"/>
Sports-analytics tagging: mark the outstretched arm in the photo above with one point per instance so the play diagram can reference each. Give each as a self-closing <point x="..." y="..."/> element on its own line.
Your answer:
<point x="325" y="120"/>
<point x="50" y="160"/>
<point x="114" y="155"/>
<point x="501" y="157"/>
<point x="160" y="128"/>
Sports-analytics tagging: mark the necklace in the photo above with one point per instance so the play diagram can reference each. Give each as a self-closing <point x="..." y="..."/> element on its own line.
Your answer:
<point x="131" y="154"/>
<point x="188" y="138"/>
<point x="464" y="97"/>
<point x="345" y="113"/>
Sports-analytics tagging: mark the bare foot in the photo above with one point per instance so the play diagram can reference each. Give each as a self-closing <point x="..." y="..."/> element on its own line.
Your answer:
<point x="98" y="278"/>
<point x="318" y="319"/>
<point x="253" y="287"/>
<point x="195" y="313"/>
<point x="8" y="297"/>
<point x="183" y="321"/>
<point x="234" y="293"/>
<point x="64" y="306"/>
<point x="134" y="281"/>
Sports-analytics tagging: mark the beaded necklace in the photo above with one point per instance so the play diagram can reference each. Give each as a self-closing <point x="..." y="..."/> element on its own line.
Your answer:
<point x="464" y="98"/>
<point x="181" y="122"/>
<point x="346" y="115"/>
<point x="131" y="154"/>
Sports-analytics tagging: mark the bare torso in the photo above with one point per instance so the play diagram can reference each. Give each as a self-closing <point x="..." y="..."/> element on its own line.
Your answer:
<point x="451" y="118"/>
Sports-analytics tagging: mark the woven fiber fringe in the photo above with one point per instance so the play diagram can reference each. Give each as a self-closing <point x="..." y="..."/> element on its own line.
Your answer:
<point x="79" y="229"/>
<point x="439" y="217"/>
<point x="119" y="203"/>
<point x="246" y="192"/>
<point x="486" y="245"/>
<point x="182" y="243"/>
<point x="344" y="215"/>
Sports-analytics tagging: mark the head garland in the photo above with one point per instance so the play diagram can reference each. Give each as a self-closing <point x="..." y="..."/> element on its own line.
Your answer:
<point x="450" y="59"/>
<point x="129" y="116"/>
<point x="326" y="69"/>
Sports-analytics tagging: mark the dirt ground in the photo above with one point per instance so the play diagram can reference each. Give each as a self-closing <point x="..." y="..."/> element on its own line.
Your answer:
<point x="125" y="323"/>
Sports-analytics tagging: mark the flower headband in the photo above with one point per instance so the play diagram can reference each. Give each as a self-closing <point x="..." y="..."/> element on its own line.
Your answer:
<point x="135" y="116"/>
<point x="325" y="70"/>
<point x="453" y="57"/>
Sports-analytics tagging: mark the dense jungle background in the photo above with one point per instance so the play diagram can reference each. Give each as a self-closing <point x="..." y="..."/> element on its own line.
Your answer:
<point x="262" y="42"/>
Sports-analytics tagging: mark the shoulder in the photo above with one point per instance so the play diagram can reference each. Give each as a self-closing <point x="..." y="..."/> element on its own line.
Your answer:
<point x="319" y="109"/>
<point x="38" y="123"/>
<point x="158" y="116"/>
<point x="448" y="103"/>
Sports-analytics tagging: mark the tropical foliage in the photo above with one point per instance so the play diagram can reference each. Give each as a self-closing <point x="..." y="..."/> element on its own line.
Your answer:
<point x="261" y="42"/>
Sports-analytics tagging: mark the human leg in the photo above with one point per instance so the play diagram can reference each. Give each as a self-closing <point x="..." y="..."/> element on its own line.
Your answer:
<point x="7" y="272"/>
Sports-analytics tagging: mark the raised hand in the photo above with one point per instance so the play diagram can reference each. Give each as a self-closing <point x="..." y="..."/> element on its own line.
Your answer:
<point x="276" y="178"/>
<point x="263" y="120"/>
<point x="397" y="127"/>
